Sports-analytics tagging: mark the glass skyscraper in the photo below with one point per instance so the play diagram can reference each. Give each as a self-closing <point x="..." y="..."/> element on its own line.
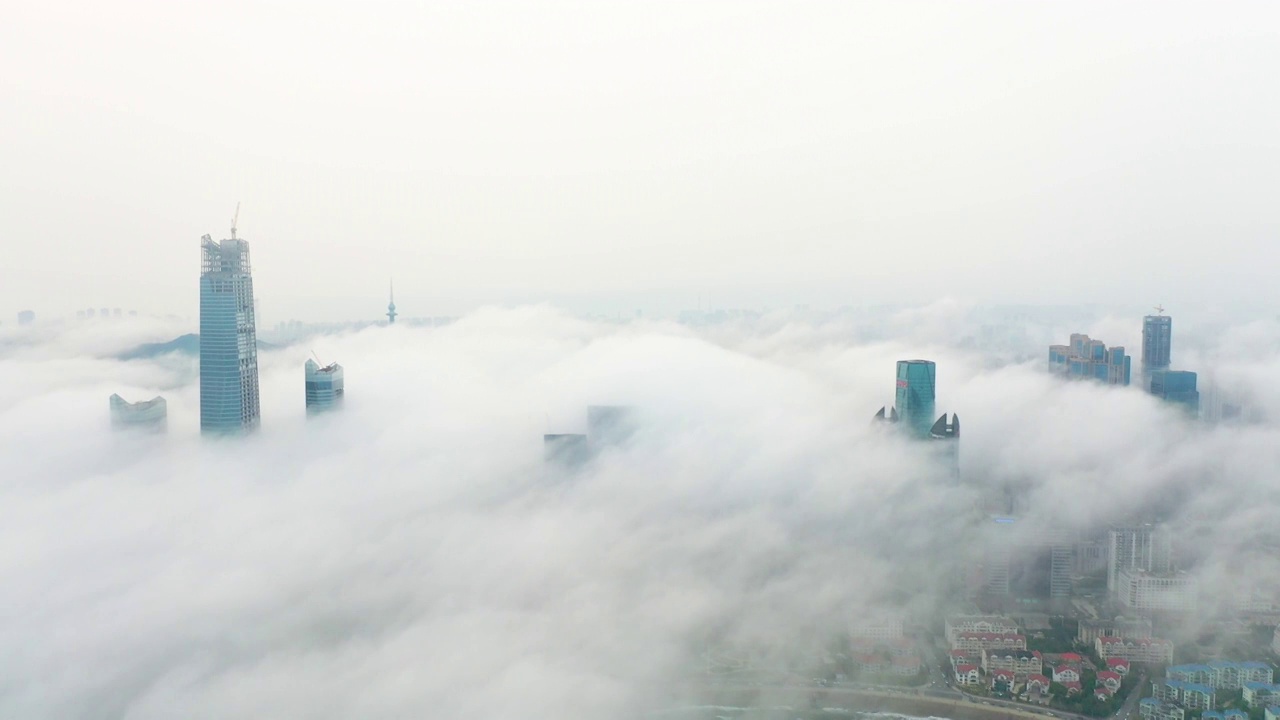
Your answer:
<point x="914" y="398"/>
<point x="228" y="338"/>
<point x="1086" y="358"/>
<point x="1157" y="343"/>
<point x="324" y="387"/>
<point x="1176" y="386"/>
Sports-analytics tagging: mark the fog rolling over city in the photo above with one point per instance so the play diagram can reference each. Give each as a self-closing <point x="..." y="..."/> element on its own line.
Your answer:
<point x="413" y="554"/>
<point x="639" y="360"/>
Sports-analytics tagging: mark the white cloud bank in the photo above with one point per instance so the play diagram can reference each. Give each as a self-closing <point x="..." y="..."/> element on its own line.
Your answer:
<point x="412" y="557"/>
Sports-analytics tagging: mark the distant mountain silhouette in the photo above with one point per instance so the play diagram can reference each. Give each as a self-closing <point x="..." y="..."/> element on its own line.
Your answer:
<point x="188" y="344"/>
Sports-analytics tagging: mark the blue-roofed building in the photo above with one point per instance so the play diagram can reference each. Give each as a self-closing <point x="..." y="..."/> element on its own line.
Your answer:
<point x="1232" y="714"/>
<point x="1155" y="709"/>
<point x="1258" y="694"/>
<point x="1222" y="674"/>
<point x="1272" y="713"/>
<point x="1190" y="673"/>
<point x="1192" y="696"/>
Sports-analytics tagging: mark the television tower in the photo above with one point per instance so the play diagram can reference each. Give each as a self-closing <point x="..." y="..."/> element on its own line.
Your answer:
<point x="391" y="306"/>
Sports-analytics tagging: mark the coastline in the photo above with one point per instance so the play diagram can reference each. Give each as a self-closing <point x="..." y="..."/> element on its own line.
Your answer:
<point x="864" y="701"/>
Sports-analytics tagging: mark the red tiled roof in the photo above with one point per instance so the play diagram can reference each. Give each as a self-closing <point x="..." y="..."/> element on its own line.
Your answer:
<point x="1038" y="679"/>
<point x="1117" y="662"/>
<point x="1108" y="675"/>
<point x="1071" y="657"/>
<point x="966" y="669"/>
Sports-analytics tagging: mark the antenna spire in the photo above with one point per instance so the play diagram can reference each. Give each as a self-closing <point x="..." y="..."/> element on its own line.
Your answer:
<point x="235" y="220"/>
<point x="391" y="306"/>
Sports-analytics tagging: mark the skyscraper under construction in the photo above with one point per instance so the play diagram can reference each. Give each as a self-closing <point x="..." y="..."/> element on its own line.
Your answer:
<point x="228" y="338"/>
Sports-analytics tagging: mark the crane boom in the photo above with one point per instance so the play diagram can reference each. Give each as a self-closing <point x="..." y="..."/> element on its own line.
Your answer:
<point x="235" y="220"/>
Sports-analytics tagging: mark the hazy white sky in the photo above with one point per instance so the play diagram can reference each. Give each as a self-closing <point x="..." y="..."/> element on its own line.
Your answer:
<point x="617" y="154"/>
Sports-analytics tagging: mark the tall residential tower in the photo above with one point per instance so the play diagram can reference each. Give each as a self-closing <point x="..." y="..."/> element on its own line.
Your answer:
<point x="228" y="338"/>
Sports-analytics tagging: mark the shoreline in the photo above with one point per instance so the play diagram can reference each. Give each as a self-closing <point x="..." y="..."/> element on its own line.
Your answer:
<point x="865" y="701"/>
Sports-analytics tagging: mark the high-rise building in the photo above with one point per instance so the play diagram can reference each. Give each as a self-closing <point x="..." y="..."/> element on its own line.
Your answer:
<point x="610" y="424"/>
<point x="151" y="415"/>
<point x="324" y="387"/>
<point x="566" y="450"/>
<point x="391" y="307"/>
<point x="1176" y="386"/>
<point x="26" y="317"/>
<point x="914" y="397"/>
<point x="1086" y="358"/>
<point x="1157" y="343"/>
<point x="945" y="437"/>
<point x="228" y="338"/>
<point x="1138" y="547"/>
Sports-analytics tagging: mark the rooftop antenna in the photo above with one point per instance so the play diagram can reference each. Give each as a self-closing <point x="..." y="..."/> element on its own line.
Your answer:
<point x="235" y="220"/>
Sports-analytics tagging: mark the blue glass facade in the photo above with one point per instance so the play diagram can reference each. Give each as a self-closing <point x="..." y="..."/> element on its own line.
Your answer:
<point x="1177" y="386"/>
<point x="228" y="339"/>
<point x="324" y="387"/>
<point x="1157" y="342"/>
<point x="915" y="395"/>
<point x="1086" y="358"/>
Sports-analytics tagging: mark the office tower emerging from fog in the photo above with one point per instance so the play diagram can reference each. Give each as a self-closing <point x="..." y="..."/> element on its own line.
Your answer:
<point x="607" y="426"/>
<point x="228" y="338"/>
<point x="1026" y="562"/>
<point x="1157" y="343"/>
<point x="151" y="415"/>
<point x="324" y="387"/>
<point x="391" y="307"/>
<point x="567" y="450"/>
<point x="26" y="317"/>
<point x="1148" y="548"/>
<point x="1177" y="386"/>
<point x="610" y="424"/>
<point x="945" y="438"/>
<point x="1086" y="358"/>
<point x="914" y="397"/>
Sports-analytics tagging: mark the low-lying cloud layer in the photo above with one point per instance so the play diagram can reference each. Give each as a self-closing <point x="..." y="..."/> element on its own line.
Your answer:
<point x="412" y="556"/>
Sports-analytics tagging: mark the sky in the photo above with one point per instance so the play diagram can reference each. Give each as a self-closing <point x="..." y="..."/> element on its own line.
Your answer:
<point x="939" y="169"/>
<point x="413" y="556"/>
<point x="608" y="157"/>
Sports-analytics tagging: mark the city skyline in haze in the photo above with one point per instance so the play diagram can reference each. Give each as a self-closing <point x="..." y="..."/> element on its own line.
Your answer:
<point x="635" y="156"/>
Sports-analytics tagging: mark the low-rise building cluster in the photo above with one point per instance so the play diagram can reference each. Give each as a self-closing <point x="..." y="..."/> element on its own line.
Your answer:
<point x="1261" y="695"/>
<point x="1135" y="650"/>
<point x="1222" y="674"/>
<point x="1194" y="688"/>
<point x="880" y="647"/>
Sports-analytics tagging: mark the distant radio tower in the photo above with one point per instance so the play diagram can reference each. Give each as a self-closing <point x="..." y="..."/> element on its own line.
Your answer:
<point x="391" y="306"/>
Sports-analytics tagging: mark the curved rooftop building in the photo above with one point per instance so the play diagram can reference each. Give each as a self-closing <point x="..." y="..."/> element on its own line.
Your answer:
<point x="324" y="387"/>
<point x="151" y="415"/>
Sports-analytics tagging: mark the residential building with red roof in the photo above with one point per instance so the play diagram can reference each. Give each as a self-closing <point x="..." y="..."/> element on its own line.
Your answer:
<point x="1135" y="650"/>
